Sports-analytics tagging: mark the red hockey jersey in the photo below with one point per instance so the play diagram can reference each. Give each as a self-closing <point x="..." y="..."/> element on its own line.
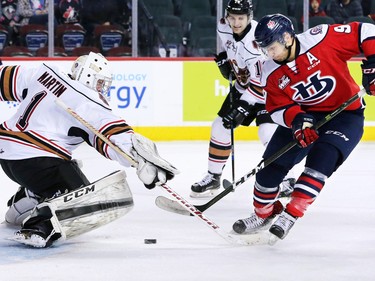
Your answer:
<point x="318" y="79"/>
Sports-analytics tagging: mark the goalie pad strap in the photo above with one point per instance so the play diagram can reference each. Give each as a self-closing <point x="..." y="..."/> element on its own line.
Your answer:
<point x="89" y="209"/>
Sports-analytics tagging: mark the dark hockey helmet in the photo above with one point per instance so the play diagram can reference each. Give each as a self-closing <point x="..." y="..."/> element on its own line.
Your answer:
<point x="271" y="28"/>
<point x="240" y="7"/>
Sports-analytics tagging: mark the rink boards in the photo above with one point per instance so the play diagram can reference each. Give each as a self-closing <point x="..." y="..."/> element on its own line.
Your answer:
<point x="172" y="99"/>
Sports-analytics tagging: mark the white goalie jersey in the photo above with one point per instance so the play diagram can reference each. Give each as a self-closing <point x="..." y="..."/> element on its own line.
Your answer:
<point x="41" y="128"/>
<point x="245" y="58"/>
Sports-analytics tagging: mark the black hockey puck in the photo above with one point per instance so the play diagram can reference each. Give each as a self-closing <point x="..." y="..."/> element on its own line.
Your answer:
<point x="150" y="241"/>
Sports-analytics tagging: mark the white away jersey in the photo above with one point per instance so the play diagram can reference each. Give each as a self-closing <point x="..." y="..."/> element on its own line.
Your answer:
<point x="246" y="59"/>
<point x="41" y="128"/>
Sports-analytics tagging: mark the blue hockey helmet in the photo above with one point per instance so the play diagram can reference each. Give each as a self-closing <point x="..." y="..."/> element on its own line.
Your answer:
<point x="271" y="28"/>
<point x="240" y="7"/>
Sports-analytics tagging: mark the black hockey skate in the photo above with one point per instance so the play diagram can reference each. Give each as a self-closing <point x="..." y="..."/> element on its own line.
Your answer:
<point x="207" y="187"/>
<point x="37" y="232"/>
<point x="255" y="224"/>
<point x="282" y="225"/>
<point x="252" y="224"/>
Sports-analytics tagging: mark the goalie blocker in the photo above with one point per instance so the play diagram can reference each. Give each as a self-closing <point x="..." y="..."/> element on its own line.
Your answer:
<point x="80" y="211"/>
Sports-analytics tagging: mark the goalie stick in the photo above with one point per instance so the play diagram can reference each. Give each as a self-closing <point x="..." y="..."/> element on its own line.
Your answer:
<point x="171" y="206"/>
<point x="253" y="240"/>
<point x="261" y="238"/>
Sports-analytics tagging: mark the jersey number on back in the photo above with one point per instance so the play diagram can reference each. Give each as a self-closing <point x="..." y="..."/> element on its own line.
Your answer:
<point x="24" y="118"/>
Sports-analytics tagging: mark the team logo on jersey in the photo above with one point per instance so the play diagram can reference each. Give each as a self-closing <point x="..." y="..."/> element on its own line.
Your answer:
<point x="283" y="82"/>
<point x="315" y="90"/>
<point x="230" y="46"/>
<point x="316" y="30"/>
<point x="242" y="74"/>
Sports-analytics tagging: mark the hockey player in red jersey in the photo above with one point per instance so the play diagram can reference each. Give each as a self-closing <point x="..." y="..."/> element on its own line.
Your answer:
<point x="305" y="78"/>
<point x="37" y="142"/>
<point x="242" y="60"/>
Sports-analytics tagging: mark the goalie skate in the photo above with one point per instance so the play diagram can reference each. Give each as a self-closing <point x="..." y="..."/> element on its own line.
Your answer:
<point x="29" y="239"/>
<point x="35" y="239"/>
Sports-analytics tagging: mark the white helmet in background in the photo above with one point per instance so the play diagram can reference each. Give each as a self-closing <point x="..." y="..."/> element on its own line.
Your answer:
<point x="92" y="70"/>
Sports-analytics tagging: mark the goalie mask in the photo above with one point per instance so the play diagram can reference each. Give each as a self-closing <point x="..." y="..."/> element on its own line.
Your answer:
<point x="93" y="71"/>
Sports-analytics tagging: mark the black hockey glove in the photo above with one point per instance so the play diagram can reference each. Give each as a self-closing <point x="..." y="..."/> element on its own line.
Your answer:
<point x="223" y="64"/>
<point x="368" y="75"/>
<point x="303" y="130"/>
<point x="236" y="115"/>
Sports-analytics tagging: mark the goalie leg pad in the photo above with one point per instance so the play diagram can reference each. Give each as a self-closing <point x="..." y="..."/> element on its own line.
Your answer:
<point x="92" y="206"/>
<point x="78" y="211"/>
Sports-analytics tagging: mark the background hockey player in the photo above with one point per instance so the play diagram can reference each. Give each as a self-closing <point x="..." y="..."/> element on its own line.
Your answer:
<point x="37" y="142"/>
<point x="305" y="78"/>
<point x="239" y="58"/>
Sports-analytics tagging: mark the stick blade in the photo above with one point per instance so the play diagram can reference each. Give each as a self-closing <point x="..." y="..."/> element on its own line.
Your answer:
<point x="254" y="239"/>
<point x="227" y="184"/>
<point x="171" y="206"/>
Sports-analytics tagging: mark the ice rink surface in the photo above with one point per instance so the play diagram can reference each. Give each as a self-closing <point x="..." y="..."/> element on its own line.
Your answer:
<point x="335" y="241"/>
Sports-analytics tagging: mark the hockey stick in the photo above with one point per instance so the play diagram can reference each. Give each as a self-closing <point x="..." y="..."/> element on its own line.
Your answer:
<point x="61" y="104"/>
<point x="183" y="203"/>
<point x="229" y="187"/>
<point x="231" y="127"/>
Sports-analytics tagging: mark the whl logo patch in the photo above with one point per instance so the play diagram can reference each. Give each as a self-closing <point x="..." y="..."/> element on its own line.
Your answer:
<point x="315" y="90"/>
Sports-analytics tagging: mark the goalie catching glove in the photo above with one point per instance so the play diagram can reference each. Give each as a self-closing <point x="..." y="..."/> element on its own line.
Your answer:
<point x="368" y="75"/>
<point x="303" y="131"/>
<point x="151" y="169"/>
